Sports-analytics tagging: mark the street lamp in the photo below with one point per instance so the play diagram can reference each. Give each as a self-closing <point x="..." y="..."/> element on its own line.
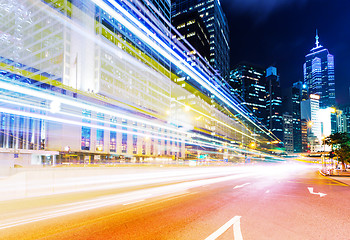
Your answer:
<point x="252" y="145"/>
<point x="309" y="124"/>
<point x="324" y="151"/>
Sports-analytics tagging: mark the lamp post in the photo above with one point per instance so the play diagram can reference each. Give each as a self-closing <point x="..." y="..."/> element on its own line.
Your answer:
<point x="324" y="165"/>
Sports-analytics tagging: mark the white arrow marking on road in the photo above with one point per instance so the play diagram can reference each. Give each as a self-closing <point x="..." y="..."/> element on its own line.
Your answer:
<point x="235" y="221"/>
<point x="311" y="190"/>
<point x="237" y="230"/>
<point x="239" y="186"/>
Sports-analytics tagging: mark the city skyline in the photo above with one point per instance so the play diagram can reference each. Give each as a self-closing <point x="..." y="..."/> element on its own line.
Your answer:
<point x="118" y="120"/>
<point x="281" y="34"/>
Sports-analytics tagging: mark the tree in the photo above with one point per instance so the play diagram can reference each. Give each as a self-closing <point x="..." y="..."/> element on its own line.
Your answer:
<point x="340" y="143"/>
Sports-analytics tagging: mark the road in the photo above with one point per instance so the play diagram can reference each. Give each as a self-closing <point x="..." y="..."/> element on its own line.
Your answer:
<point x="263" y="202"/>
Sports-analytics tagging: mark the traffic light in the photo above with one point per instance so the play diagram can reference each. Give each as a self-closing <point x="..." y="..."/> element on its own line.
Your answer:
<point x="331" y="154"/>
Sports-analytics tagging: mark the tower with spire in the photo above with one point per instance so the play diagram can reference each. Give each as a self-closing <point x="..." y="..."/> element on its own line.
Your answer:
<point x="319" y="74"/>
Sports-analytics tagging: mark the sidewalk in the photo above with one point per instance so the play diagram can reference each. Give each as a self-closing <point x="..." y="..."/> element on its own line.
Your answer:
<point x="338" y="175"/>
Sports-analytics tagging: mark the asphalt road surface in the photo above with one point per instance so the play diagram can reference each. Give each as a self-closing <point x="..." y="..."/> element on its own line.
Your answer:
<point x="266" y="202"/>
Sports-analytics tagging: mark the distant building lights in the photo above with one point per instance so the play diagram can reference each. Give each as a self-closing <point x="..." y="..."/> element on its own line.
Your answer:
<point x="314" y="96"/>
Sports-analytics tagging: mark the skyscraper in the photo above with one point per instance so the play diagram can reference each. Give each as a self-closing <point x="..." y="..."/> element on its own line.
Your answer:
<point x="346" y="112"/>
<point x="216" y="23"/>
<point x="249" y="82"/>
<point x="274" y="119"/>
<point x="304" y="143"/>
<point x="319" y="74"/>
<point x="191" y="27"/>
<point x="288" y="132"/>
<point x="309" y="112"/>
<point x="299" y="94"/>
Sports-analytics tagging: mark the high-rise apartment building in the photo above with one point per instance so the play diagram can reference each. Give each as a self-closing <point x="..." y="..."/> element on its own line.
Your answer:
<point x="216" y="23"/>
<point x="319" y="74"/>
<point x="274" y="119"/>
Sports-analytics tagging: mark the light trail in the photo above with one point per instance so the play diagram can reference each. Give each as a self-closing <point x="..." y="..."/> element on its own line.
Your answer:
<point x="166" y="51"/>
<point x="49" y="96"/>
<point x="155" y="135"/>
<point x="167" y="96"/>
<point x="177" y="58"/>
<point x="116" y="199"/>
<point x="183" y="181"/>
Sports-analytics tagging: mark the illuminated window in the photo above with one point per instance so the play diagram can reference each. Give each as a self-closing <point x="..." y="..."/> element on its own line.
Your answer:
<point x="86" y="131"/>
<point x="113" y="141"/>
<point x="152" y="146"/>
<point x="100" y="133"/>
<point x="191" y="34"/>
<point x="124" y="142"/>
<point x="181" y="26"/>
<point x="113" y="137"/>
<point x="134" y="144"/>
<point x="191" y="22"/>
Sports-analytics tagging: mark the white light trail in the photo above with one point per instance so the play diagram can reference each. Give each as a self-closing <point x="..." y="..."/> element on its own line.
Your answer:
<point x="150" y="39"/>
<point x="186" y="137"/>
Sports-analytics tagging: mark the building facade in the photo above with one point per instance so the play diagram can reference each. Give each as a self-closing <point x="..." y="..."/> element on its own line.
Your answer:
<point x="86" y="83"/>
<point x="304" y="142"/>
<point x="346" y="114"/>
<point x="192" y="29"/>
<point x="288" y="133"/>
<point x="274" y="118"/>
<point x="319" y="74"/>
<point x="309" y="112"/>
<point x="249" y="82"/>
<point x="216" y="23"/>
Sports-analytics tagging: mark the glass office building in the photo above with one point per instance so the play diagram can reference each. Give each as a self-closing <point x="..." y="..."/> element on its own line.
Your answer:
<point x="249" y="82"/>
<point x="215" y="20"/>
<point x="319" y="74"/>
<point x="92" y="82"/>
<point x="274" y="118"/>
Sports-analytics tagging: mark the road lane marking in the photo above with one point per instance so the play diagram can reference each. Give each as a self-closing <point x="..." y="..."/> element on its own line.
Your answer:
<point x="226" y="226"/>
<point x="237" y="234"/>
<point x="311" y="190"/>
<point x="337" y="182"/>
<point x="240" y="186"/>
<point x="267" y="191"/>
<point x="133" y="202"/>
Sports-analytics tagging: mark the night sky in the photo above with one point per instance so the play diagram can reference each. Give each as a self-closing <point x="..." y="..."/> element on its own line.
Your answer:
<point x="282" y="32"/>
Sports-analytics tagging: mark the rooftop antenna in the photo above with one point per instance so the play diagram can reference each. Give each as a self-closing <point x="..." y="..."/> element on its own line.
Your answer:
<point x="317" y="42"/>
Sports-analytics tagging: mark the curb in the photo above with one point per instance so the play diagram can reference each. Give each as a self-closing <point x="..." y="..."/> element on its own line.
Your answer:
<point x="330" y="177"/>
